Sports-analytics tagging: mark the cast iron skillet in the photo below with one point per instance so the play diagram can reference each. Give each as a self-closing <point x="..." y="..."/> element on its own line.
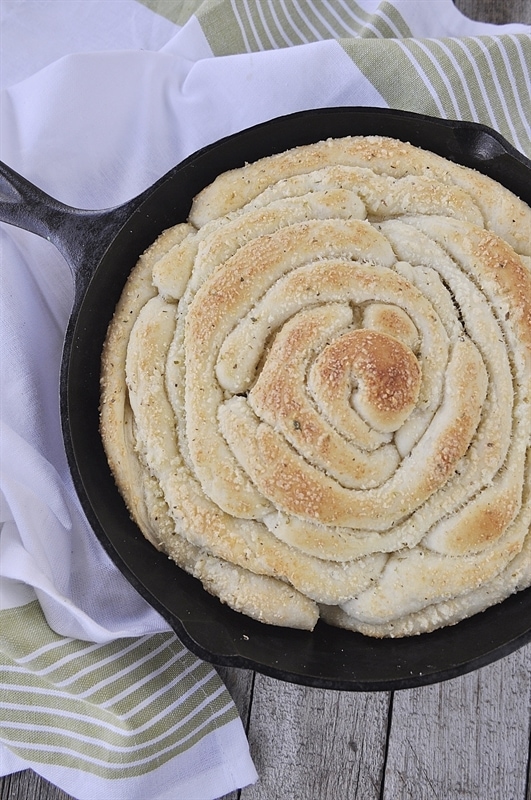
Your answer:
<point x="101" y="247"/>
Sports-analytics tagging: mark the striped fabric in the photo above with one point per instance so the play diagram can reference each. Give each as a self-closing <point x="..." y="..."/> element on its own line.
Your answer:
<point x="234" y="26"/>
<point x="115" y="711"/>
<point x="481" y="79"/>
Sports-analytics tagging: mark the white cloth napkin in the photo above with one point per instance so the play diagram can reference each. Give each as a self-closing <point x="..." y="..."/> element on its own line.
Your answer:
<point x="99" y="100"/>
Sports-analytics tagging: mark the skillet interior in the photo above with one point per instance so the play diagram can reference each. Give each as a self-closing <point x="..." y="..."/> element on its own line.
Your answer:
<point x="327" y="657"/>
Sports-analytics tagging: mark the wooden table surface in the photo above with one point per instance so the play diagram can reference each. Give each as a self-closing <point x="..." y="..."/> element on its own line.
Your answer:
<point x="464" y="739"/>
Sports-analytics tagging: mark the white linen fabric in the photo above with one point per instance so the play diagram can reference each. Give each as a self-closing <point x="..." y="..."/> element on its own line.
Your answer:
<point x="98" y="100"/>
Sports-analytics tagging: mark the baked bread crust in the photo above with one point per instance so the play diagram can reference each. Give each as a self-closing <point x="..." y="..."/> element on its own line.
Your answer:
<point x="315" y="393"/>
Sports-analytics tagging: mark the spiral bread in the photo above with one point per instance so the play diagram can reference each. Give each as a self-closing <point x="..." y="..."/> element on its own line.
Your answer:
<point x="316" y="392"/>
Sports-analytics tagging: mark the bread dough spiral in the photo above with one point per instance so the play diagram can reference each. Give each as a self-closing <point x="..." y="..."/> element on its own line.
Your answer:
<point x="316" y="392"/>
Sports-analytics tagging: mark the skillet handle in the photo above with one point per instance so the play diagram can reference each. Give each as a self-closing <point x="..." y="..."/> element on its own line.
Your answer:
<point x="80" y="235"/>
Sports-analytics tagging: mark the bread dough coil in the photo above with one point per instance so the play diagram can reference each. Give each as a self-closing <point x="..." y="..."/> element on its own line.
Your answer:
<point x="315" y="392"/>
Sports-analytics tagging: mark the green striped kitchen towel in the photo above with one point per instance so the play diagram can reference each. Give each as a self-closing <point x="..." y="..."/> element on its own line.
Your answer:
<point x="123" y="719"/>
<point x="97" y="694"/>
<point x="418" y="55"/>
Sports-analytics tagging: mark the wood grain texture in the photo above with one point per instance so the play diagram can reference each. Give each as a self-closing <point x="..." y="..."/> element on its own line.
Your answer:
<point x="498" y="12"/>
<point x="28" y="785"/>
<point x="465" y="739"/>
<point x="315" y="744"/>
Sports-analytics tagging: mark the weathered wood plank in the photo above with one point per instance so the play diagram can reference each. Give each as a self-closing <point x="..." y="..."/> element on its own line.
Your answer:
<point x="314" y="744"/>
<point x="27" y="785"/>
<point x="496" y="11"/>
<point x="465" y="739"/>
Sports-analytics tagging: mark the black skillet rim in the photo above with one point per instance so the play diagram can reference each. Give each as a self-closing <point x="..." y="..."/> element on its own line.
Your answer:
<point x="328" y="657"/>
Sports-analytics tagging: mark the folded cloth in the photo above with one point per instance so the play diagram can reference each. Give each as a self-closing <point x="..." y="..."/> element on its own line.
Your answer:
<point x="99" y="100"/>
